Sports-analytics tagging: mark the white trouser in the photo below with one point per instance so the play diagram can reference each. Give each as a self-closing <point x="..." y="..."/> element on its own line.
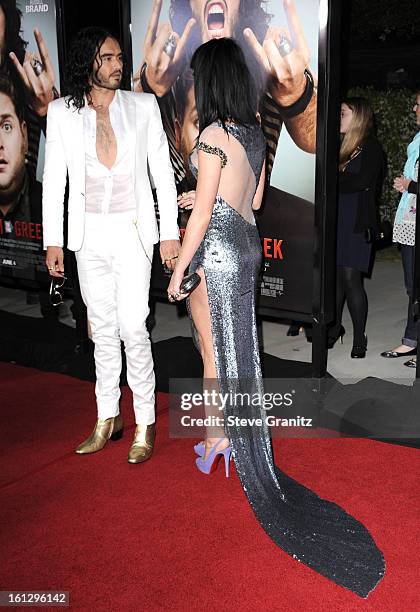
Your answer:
<point x="114" y="275"/>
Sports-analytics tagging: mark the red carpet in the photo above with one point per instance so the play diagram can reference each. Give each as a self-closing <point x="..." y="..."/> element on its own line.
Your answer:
<point x="162" y="536"/>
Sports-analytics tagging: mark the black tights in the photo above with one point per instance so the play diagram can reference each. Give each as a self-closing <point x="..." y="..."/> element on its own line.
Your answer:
<point x="350" y="288"/>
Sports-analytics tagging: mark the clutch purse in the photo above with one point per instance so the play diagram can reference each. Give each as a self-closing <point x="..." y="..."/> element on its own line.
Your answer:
<point x="190" y="282"/>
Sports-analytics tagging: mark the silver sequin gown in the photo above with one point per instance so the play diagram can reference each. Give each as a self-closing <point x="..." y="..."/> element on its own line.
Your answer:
<point x="314" y="531"/>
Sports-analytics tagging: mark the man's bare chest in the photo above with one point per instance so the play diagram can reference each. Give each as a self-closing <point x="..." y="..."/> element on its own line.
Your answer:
<point x="106" y="141"/>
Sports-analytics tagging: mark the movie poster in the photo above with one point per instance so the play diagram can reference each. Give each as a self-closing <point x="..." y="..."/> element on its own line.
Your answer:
<point x="280" y="42"/>
<point x="28" y="82"/>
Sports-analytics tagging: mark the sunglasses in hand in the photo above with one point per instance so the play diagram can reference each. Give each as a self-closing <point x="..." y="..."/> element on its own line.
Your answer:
<point x="56" y="290"/>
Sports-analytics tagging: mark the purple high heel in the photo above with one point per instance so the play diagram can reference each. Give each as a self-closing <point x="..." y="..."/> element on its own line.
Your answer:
<point x="200" y="449"/>
<point x="209" y="465"/>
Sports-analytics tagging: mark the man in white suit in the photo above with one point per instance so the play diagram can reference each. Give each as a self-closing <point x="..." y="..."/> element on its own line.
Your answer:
<point x="106" y="139"/>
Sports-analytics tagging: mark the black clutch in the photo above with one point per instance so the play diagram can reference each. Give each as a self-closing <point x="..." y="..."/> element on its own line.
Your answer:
<point x="189" y="283"/>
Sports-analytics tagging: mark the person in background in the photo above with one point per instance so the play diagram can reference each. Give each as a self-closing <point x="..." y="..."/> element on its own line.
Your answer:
<point x="277" y="57"/>
<point x="405" y="236"/>
<point x="16" y="185"/>
<point x="360" y="172"/>
<point x="34" y="73"/>
<point x="20" y="192"/>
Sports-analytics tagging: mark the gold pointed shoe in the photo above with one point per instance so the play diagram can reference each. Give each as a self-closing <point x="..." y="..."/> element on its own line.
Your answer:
<point x="143" y="443"/>
<point x="105" y="429"/>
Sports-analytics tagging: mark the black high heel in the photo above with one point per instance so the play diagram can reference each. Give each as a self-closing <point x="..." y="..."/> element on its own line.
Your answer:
<point x="333" y="339"/>
<point x="359" y="350"/>
<point x="293" y="330"/>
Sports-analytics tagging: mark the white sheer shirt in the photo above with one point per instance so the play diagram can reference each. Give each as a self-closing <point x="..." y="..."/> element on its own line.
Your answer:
<point x="109" y="190"/>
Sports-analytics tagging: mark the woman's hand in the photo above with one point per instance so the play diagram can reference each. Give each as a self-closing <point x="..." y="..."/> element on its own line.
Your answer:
<point x="186" y="200"/>
<point x="401" y="184"/>
<point x="174" y="292"/>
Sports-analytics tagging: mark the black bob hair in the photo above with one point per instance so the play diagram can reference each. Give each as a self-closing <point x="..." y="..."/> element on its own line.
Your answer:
<point x="224" y="88"/>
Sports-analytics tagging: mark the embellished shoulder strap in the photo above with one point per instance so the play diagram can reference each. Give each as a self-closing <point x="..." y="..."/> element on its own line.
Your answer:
<point x="213" y="151"/>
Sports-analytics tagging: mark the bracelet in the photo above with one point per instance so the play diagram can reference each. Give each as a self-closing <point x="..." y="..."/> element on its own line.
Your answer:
<point x="143" y="81"/>
<point x="298" y="107"/>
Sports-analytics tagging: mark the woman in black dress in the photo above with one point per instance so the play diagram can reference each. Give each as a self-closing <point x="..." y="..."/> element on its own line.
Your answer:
<point x="361" y="169"/>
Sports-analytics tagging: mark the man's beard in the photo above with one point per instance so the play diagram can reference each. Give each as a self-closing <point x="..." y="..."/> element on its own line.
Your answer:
<point x="105" y="84"/>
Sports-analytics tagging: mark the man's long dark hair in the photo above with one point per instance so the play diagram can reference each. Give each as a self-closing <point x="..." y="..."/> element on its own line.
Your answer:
<point x="79" y="66"/>
<point x="13" y="40"/>
<point x="224" y="88"/>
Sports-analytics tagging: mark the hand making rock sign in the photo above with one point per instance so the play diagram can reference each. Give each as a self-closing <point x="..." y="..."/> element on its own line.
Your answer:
<point x="284" y="56"/>
<point x="37" y="74"/>
<point x="163" y="53"/>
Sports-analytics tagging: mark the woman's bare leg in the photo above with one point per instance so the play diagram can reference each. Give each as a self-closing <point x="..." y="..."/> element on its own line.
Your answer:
<point x="200" y="311"/>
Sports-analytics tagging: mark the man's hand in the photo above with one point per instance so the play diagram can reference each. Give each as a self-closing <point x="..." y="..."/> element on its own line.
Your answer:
<point x="285" y="73"/>
<point x="162" y="70"/>
<point x="39" y="88"/>
<point x="54" y="261"/>
<point x="169" y="251"/>
<point x="186" y="200"/>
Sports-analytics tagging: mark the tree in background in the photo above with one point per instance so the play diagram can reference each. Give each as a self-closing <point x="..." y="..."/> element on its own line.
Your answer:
<point x="396" y="20"/>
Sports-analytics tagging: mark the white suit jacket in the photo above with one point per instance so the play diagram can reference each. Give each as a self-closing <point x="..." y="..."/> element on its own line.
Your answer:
<point x="65" y="152"/>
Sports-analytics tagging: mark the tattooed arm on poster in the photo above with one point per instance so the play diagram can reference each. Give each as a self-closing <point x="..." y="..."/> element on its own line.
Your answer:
<point x="37" y="74"/>
<point x="286" y="74"/>
<point x="160" y="69"/>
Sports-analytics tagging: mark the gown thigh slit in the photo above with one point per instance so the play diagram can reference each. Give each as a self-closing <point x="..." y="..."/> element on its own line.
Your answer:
<point x="193" y="305"/>
<point x="314" y="531"/>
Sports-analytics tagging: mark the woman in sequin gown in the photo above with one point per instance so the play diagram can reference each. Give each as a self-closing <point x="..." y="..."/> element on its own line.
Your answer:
<point x="222" y="244"/>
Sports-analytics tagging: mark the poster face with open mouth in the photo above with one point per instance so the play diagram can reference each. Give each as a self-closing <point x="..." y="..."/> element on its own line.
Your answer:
<point x="23" y="123"/>
<point x="280" y="42"/>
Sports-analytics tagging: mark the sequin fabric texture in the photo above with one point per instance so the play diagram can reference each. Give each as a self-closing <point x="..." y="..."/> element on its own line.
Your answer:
<point x="312" y="530"/>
